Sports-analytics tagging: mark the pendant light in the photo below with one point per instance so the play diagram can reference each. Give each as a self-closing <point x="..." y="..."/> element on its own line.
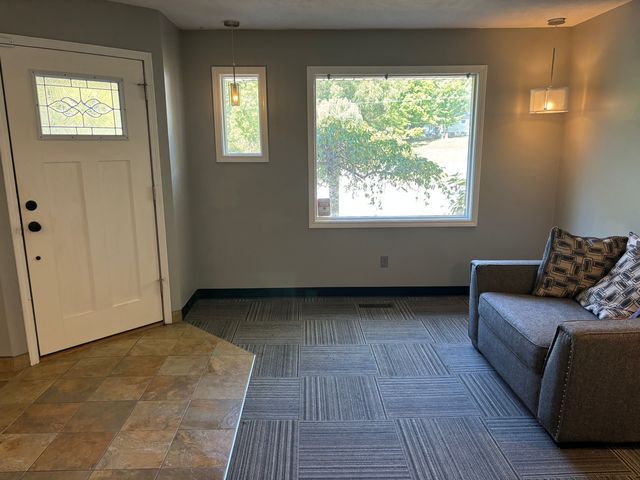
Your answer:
<point x="234" y="88"/>
<point x="550" y="99"/>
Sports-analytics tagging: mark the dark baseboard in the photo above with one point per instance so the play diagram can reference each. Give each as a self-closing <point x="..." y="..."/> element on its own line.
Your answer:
<point x="321" y="292"/>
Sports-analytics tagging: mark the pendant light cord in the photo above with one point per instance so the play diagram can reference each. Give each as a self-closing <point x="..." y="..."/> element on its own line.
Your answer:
<point x="233" y="56"/>
<point x="553" y="64"/>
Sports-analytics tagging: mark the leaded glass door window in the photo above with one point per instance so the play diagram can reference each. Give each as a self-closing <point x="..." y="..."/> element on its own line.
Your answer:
<point x="71" y="106"/>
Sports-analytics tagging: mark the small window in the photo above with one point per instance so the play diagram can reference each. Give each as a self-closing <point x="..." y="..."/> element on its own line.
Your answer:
<point x="394" y="146"/>
<point x="79" y="107"/>
<point x="240" y="126"/>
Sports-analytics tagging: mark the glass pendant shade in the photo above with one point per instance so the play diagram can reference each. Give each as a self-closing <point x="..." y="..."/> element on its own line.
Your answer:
<point x="549" y="100"/>
<point x="234" y="94"/>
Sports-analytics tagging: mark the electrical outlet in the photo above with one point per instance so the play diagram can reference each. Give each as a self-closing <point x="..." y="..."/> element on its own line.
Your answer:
<point x="384" y="261"/>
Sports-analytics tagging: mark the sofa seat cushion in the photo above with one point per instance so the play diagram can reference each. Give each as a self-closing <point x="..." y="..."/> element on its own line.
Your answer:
<point x="527" y="324"/>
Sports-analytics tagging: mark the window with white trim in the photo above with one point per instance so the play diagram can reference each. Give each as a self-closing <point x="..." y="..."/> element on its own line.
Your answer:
<point x="240" y="111"/>
<point x="394" y="146"/>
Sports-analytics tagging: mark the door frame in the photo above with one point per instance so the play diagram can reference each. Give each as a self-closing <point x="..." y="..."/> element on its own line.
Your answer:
<point x="6" y="159"/>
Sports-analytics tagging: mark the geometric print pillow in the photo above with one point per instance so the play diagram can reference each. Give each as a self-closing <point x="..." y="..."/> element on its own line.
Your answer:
<point x="617" y="295"/>
<point x="572" y="264"/>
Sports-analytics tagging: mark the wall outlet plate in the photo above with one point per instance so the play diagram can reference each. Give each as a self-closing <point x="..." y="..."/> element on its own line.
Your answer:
<point x="384" y="261"/>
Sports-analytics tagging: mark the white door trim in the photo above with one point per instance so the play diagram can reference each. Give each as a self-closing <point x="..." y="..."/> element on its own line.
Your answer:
<point x="6" y="158"/>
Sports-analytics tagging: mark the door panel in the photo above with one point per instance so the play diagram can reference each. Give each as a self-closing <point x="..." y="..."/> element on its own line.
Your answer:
<point x="93" y="267"/>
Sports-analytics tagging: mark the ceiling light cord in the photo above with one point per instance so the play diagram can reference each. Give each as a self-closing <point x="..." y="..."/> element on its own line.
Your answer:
<point x="553" y="64"/>
<point x="233" y="55"/>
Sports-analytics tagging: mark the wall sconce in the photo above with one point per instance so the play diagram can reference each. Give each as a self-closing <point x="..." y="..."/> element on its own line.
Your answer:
<point x="234" y="88"/>
<point x="550" y="99"/>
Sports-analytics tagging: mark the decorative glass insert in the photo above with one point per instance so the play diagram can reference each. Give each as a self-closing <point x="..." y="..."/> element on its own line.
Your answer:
<point x="242" y="122"/>
<point x="76" y="106"/>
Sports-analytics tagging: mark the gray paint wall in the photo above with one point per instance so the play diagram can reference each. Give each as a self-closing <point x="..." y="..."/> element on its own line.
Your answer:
<point x="109" y="24"/>
<point x="250" y="220"/>
<point x="600" y="172"/>
<point x="181" y="278"/>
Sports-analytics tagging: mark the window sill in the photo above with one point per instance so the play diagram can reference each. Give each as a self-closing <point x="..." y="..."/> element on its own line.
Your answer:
<point x="392" y="223"/>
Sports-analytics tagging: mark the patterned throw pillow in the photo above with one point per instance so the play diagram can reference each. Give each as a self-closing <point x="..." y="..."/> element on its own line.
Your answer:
<point x="617" y="295"/>
<point x="572" y="264"/>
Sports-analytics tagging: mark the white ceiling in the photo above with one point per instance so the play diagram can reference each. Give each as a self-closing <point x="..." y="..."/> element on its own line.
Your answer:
<point x="353" y="14"/>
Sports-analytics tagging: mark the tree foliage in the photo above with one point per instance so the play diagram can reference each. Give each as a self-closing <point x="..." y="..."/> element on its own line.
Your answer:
<point x="242" y="131"/>
<point x="365" y="129"/>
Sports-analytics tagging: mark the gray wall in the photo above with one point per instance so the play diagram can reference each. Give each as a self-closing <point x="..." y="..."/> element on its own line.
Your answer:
<point x="600" y="172"/>
<point x="250" y="220"/>
<point x="182" y="281"/>
<point x="115" y="25"/>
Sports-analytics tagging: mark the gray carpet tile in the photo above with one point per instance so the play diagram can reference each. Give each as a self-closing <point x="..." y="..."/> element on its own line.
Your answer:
<point x="384" y="311"/>
<point x="354" y="451"/>
<point x="272" y="399"/>
<point x="349" y="367"/>
<point x="444" y="304"/>
<point x="405" y="331"/>
<point x="274" y="360"/>
<point x="580" y="477"/>
<point x="451" y="328"/>
<point x="452" y="449"/>
<point x="235" y="310"/>
<point x="531" y="451"/>
<point x="272" y="333"/>
<point x="279" y="310"/>
<point x="328" y="310"/>
<point x="494" y="397"/>
<point x="428" y="396"/>
<point x="340" y="398"/>
<point x="337" y="360"/>
<point x="224" y="329"/>
<point x="462" y="358"/>
<point x="333" y="332"/>
<point x="630" y="456"/>
<point x="408" y="360"/>
<point x="265" y="449"/>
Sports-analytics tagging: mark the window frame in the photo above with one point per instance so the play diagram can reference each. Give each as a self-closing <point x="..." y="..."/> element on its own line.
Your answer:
<point x="217" y="72"/>
<point x="474" y="157"/>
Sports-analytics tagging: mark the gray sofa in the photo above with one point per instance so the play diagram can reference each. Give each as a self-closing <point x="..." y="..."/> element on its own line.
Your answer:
<point x="580" y="376"/>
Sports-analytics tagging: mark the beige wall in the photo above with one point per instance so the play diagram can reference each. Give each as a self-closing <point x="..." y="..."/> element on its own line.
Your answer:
<point x="600" y="173"/>
<point x="250" y="221"/>
<point x="109" y="24"/>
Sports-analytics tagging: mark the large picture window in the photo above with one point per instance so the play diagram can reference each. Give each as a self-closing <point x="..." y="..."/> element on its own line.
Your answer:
<point x="396" y="146"/>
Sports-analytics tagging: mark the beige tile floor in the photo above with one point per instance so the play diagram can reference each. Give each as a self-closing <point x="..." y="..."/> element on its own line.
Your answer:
<point x="154" y="404"/>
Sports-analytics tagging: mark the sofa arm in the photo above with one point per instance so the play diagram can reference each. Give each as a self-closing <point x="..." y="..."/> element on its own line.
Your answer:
<point x="505" y="276"/>
<point x="591" y="383"/>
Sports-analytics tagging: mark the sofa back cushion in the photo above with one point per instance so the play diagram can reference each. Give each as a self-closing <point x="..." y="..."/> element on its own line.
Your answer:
<point x="617" y="295"/>
<point x="572" y="264"/>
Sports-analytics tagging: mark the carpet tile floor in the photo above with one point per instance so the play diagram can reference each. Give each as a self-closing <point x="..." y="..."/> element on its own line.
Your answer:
<point x="380" y="388"/>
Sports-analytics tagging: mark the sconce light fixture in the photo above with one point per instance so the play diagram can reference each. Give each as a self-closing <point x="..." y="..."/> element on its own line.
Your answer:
<point x="550" y="99"/>
<point x="234" y="89"/>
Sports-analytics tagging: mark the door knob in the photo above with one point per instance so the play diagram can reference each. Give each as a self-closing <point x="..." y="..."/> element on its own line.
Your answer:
<point x="34" y="227"/>
<point x="31" y="205"/>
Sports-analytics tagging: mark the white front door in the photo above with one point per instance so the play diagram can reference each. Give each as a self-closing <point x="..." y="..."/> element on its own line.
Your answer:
<point x="80" y="141"/>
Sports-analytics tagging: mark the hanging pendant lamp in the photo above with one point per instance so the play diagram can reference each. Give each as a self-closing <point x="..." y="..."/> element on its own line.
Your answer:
<point x="234" y="88"/>
<point x="550" y="99"/>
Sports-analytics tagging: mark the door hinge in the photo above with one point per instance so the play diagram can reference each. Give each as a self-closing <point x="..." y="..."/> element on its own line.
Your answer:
<point x="7" y="42"/>
<point x="145" y="87"/>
